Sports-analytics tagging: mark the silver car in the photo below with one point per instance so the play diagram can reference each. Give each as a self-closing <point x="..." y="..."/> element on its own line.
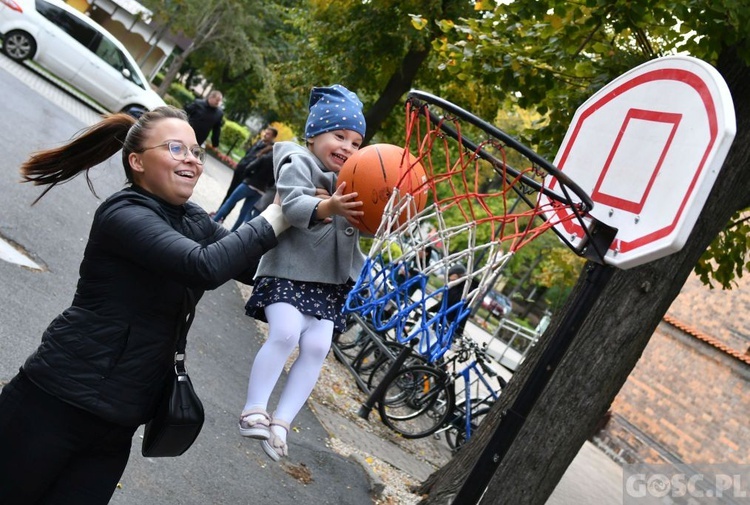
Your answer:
<point x="78" y="51"/>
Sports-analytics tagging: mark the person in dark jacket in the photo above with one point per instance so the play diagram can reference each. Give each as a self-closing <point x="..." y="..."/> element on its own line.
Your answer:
<point x="258" y="178"/>
<point x="206" y="116"/>
<point x="68" y="417"/>
<point x="263" y="146"/>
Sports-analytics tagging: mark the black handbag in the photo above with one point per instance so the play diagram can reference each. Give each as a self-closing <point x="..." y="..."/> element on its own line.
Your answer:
<point x="179" y="416"/>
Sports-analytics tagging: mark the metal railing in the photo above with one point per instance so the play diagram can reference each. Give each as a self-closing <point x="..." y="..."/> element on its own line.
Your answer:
<point x="510" y="343"/>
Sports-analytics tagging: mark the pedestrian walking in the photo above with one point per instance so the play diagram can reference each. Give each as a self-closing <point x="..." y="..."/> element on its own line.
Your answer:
<point x="206" y="117"/>
<point x="262" y="147"/>
<point x="257" y="180"/>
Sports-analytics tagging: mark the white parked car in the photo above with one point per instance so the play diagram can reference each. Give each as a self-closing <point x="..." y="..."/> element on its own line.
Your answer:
<point x="77" y="50"/>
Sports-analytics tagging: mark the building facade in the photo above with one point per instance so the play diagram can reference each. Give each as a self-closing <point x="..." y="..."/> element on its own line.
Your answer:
<point x="131" y="23"/>
<point x="688" y="399"/>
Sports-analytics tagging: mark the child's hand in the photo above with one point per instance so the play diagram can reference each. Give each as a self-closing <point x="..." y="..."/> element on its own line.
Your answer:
<point x="339" y="204"/>
<point x="323" y="194"/>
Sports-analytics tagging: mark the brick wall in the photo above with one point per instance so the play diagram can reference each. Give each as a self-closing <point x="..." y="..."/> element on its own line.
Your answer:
<point x="723" y="314"/>
<point x="686" y="401"/>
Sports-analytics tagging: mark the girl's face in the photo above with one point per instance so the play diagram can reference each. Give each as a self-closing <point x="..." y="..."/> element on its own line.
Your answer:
<point x="162" y="168"/>
<point x="334" y="148"/>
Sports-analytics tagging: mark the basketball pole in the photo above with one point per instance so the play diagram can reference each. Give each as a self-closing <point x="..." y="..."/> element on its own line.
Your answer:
<point x="512" y="420"/>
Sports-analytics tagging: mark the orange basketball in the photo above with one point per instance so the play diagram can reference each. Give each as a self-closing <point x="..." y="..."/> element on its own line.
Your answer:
<point x="373" y="172"/>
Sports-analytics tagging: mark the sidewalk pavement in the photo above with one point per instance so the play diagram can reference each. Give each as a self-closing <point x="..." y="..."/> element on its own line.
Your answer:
<point x="352" y="435"/>
<point x="222" y="467"/>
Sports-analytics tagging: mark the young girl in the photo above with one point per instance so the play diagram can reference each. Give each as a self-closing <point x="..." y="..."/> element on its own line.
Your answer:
<point x="302" y="284"/>
<point x="67" y="419"/>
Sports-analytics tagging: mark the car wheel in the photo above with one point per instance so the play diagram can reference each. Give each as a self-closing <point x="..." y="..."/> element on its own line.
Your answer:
<point x="134" y="110"/>
<point x="18" y="45"/>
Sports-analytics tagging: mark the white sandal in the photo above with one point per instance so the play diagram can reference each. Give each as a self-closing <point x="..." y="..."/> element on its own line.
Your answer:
<point x="275" y="447"/>
<point x="259" y="429"/>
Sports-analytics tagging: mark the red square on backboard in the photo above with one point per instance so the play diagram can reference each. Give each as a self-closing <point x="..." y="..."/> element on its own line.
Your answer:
<point x="626" y="179"/>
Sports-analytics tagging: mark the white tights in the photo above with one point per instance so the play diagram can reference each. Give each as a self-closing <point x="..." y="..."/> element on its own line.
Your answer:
<point x="287" y="328"/>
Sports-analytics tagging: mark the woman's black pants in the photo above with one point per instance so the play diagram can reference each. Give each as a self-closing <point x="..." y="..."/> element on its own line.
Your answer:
<point x="52" y="452"/>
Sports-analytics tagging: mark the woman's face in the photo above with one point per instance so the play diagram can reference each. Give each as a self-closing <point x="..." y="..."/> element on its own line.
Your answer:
<point x="334" y="148"/>
<point x="155" y="168"/>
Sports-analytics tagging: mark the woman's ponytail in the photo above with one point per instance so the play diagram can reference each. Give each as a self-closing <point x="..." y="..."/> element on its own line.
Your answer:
<point x="90" y="147"/>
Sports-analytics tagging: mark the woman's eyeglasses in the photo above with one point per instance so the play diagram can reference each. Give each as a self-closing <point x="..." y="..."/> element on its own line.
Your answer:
<point x="179" y="151"/>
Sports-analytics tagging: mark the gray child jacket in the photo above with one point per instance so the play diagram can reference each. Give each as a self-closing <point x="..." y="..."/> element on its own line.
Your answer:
<point x="311" y="251"/>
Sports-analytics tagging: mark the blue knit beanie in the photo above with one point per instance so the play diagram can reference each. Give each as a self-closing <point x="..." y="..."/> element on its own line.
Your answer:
<point x="334" y="108"/>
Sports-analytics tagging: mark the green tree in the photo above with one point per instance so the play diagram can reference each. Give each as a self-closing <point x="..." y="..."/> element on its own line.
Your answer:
<point x="250" y="84"/>
<point x="545" y="56"/>
<point x="373" y="50"/>
<point x="551" y="55"/>
<point x="222" y="23"/>
<point x="546" y="265"/>
<point x="727" y="256"/>
<point x="539" y="55"/>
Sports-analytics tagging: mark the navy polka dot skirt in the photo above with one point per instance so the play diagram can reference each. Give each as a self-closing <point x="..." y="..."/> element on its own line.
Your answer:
<point x="317" y="299"/>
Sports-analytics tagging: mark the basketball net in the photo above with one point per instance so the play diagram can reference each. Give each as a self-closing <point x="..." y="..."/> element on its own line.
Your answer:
<point x="480" y="210"/>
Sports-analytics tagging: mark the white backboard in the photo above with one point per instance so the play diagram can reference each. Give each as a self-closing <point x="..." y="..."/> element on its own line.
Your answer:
<point x="647" y="148"/>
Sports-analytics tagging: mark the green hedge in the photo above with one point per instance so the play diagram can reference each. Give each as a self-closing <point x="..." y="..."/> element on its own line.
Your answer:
<point x="181" y="94"/>
<point x="233" y="135"/>
<point x="170" y="100"/>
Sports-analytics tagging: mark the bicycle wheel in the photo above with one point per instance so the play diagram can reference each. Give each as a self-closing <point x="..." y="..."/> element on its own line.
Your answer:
<point x="351" y="341"/>
<point x="372" y="357"/>
<point x="456" y="435"/>
<point x="379" y="370"/>
<point x="417" y="402"/>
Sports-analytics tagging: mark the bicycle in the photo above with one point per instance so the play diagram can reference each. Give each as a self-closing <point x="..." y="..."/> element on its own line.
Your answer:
<point x="365" y="351"/>
<point x="362" y="350"/>
<point x="351" y="340"/>
<point x="422" y="400"/>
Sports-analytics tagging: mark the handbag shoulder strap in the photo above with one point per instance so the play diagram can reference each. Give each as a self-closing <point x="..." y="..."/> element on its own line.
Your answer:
<point x="186" y="319"/>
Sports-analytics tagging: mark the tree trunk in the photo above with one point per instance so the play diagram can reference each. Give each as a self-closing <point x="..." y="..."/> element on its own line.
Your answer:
<point x="398" y="84"/>
<point x="172" y="71"/>
<point x="604" y="350"/>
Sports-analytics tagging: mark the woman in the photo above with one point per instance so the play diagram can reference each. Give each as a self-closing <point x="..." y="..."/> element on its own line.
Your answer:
<point x="67" y="419"/>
